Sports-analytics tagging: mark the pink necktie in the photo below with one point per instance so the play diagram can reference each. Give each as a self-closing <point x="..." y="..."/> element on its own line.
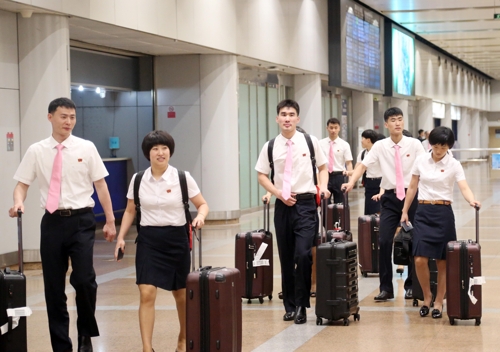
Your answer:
<point x="55" y="182"/>
<point x="331" y="159"/>
<point x="400" y="182"/>
<point x="287" y="176"/>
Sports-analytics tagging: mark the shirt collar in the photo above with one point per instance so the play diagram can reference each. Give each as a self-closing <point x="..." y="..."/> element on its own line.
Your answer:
<point x="66" y="143"/>
<point x="166" y="175"/>
<point x="294" y="139"/>
<point x="443" y="161"/>
<point x="401" y="143"/>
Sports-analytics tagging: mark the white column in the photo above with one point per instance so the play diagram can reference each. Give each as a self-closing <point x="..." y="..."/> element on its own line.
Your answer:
<point x="475" y="132"/>
<point x="308" y="95"/>
<point x="446" y="122"/>
<point x="44" y="75"/>
<point x="403" y="105"/>
<point x="362" y="117"/>
<point x="425" y="120"/>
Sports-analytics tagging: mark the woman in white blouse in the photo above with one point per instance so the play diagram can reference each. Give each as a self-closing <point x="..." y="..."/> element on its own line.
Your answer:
<point x="162" y="257"/>
<point x="435" y="174"/>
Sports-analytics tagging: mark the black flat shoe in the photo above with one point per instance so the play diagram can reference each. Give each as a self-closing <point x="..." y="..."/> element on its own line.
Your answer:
<point x="400" y="270"/>
<point x="289" y="316"/>
<point x="437" y="314"/>
<point x="424" y="311"/>
<point x="300" y="315"/>
<point x="384" y="296"/>
<point x="84" y="344"/>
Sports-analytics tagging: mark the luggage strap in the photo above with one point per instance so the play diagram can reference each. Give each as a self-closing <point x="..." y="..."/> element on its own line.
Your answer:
<point x="14" y="315"/>
<point x="249" y="256"/>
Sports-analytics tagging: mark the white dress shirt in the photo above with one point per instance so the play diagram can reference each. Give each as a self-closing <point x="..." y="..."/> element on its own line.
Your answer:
<point x="161" y="200"/>
<point x="437" y="179"/>
<point x="341" y="152"/>
<point x="382" y="154"/>
<point x="302" y="173"/>
<point x="374" y="170"/>
<point x="81" y="166"/>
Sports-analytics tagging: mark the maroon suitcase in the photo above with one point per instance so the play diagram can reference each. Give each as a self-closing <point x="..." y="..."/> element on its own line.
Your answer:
<point x="463" y="267"/>
<point x="339" y="215"/>
<point x="254" y="259"/>
<point x="368" y="247"/>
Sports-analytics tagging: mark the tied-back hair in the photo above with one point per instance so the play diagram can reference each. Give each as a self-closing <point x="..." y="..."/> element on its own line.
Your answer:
<point x="443" y="136"/>
<point x="157" y="137"/>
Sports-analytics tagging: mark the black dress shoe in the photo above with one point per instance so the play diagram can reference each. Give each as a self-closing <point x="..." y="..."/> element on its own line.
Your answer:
<point x="300" y="315"/>
<point x="436" y="314"/>
<point x="384" y="296"/>
<point x="424" y="311"/>
<point x="409" y="294"/>
<point x="289" y="316"/>
<point x="84" y="344"/>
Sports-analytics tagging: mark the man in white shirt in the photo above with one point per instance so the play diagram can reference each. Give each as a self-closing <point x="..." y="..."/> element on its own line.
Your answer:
<point x="68" y="228"/>
<point x="295" y="215"/>
<point x="383" y="154"/>
<point x="339" y="157"/>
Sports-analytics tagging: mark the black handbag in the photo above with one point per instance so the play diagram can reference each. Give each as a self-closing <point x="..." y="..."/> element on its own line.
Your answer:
<point x="402" y="247"/>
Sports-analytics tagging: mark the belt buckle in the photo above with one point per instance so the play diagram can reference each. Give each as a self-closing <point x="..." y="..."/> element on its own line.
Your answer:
<point x="65" y="212"/>
<point x="433" y="202"/>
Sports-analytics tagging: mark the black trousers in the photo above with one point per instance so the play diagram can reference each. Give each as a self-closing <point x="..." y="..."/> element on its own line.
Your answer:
<point x="372" y="187"/>
<point x="390" y="215"/>
<point x="334" y="183"/>
<point x="296" y="229"/>
<point x="63" y="238"/>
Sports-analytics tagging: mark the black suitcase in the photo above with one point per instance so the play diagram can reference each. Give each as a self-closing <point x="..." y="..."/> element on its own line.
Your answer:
<point x="13" y="295"/>
<point x="337" y="281"/>
<point x="418" y="294"/>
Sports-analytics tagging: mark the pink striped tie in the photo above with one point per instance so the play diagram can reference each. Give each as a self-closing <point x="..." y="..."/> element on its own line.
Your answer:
<point x="287" y="176"/>
<point x="331" y="159"/>
<point x="400" y="182"/>
<point x="55" y="182"/>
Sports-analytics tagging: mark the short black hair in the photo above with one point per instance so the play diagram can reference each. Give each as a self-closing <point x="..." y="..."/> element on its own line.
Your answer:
<point x="288" y="103"/>
<point x="333" y="121"/>
<point x="443" y="136"/>
<point x="420" y="131"/>
<point x="370" y="134"/>
<point x="392" y="112"/>
<point x="61" y="102"/>
<point x="407" y="133"/>
<point x="157" y="138"/>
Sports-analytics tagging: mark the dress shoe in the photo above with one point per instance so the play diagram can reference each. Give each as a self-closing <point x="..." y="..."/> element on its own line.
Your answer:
<point x="300" y="315"/>
<point x="436" y="314"/>
<point x="409" y="294"/>
<point x="384" y="296"/>
<point x="289" y="316"/>
<point x="424" y="311"/>
<point x="84" y="344"/>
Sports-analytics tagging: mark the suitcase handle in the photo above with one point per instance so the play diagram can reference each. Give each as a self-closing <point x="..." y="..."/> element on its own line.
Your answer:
<point x="324" y="204"/>
<point x="266" y="215"/>
<point x="477" y="223"/>
<point x="20" y="258"/>
<point x="193" y="250"/>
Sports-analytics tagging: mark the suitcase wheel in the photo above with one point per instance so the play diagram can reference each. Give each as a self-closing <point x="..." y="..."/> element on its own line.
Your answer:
<point x="346" y="322"/>
<point x="452" y="321"/>
<point x="261" y="300"/>
<point x="319" y="321"/>
<point x="270" y="297"/>
<point x="415" y="302"/>
<point x="356" y="316"/>
<point x="478" y="322"/>
<point x="249" y="301"/>
<point x="364" y="273"/>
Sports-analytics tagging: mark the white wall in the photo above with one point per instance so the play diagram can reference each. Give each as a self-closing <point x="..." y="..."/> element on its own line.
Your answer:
<point x="362" y="117"/>
<point x="9" y="122"/>
<point x="495" y="96"/>
<point x="308" y="95"/>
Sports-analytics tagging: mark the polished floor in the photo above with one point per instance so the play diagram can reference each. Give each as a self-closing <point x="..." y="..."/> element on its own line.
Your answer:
<point x="390" y="326"/>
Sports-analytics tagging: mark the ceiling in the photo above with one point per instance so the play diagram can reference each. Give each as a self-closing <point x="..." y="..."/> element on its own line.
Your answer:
<point x="464" y="28"/>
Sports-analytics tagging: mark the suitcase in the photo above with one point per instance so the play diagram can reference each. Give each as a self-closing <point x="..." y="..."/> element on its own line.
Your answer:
<point x="213" y="309"/>
<point x="254" y="260"/>
<point x="337" y="281"/>
<point x="417" y="292"/>
<point x="13" y="295"/>
<point x="463" y="279"/>
<point x="368" y="234"/>
<point x="339" y="215"/>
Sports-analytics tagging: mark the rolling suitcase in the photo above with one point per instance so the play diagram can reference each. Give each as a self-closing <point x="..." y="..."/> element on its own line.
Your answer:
<point x="337" y="281"/>
<point x="13" y="295"/>
<point x="254" y="260"/>
<point x="339" y="215"/>
<point x="213" y="309"/>
<point x="417" y="292"/>
<point x="463" y="279"/>
<point x="368" y="234"/>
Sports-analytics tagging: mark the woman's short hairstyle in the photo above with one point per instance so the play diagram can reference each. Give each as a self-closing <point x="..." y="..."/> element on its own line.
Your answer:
<point x="443" y="136"/>
<point x="371" y="135"/>
<point x="157" y="138"/>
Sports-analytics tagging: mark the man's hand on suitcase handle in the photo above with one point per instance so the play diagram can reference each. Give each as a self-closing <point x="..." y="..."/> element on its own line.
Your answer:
<point x="16" y="211"/>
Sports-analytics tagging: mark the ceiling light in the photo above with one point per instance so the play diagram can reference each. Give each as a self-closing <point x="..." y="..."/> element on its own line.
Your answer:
<point x="80" y="88"/>
<point x="98" y="90"/>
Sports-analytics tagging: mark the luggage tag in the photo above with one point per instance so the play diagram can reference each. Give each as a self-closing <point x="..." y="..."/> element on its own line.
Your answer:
<point x="261" y="262"/>
<point x="475" y="281"/>
<point x="16" y="314"/>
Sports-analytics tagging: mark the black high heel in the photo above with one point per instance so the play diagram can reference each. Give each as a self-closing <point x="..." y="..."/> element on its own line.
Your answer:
<point x="437" y="314"/>
<point x="424" y="311"/>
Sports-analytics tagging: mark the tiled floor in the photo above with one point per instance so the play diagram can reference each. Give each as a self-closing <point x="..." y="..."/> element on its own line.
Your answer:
<point x="391" y="326"/>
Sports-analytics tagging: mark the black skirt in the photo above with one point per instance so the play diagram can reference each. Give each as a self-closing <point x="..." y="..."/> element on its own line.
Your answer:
<point x="162" y="257"/>
<point x="433" y="228"/>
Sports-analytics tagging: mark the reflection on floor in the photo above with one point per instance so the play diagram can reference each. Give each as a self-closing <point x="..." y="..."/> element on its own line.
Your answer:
<point x="391" y="326"/>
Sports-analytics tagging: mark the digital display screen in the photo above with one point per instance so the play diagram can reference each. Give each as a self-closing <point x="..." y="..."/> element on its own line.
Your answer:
<point x="403" y="63"/>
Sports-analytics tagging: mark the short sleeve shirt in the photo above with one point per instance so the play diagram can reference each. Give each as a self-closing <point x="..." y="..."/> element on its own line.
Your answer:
<point x="81" y="166"/>
<point x="374" y="170"/>
<point x="341" y="151"/>
<point x="437" y="179"/>
<point x="161" y="200"/>
<point x="302" y="173"/>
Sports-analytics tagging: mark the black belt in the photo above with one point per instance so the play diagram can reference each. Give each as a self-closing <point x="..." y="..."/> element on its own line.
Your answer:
<point x="336" y="173"/>
<point x="70" y="212"/>
<point x="392" y="190"/>
<point x="373" y="178"/>
<point x="304" y="196"/>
